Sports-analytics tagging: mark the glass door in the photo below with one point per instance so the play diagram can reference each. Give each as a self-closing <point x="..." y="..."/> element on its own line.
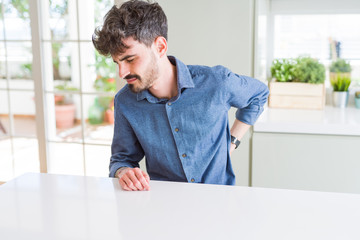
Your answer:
<point x="56" y="92"/>
<point x="79" y="87"/>
<point x="18" y="142"/>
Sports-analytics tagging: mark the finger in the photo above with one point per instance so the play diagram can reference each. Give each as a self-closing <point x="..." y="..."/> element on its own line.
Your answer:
<point x="128" y="182"/>
<point x="146" y="176"/>
<point x="135" y="180"/>
<point x="140" y="176"/>
<point x="123" y="185"/>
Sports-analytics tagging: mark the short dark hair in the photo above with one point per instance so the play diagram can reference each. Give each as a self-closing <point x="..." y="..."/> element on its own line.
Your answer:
<point x="144" y="21"/>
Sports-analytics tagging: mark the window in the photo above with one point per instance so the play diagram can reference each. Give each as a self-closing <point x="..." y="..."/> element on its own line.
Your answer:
<point x="81" y="87"/>
<point x="315" y="35"/>
<point x="321" y="29"/>
<point x="18" y="142"/>
<point x="74" y="124"/>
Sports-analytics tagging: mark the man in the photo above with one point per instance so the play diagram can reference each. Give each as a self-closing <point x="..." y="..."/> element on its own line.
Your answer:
<point x="173" y="114"/>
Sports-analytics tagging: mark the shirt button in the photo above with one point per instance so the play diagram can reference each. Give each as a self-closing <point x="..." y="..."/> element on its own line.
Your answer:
<point x="169" y="103"/>
<point x="184" y="155"/>
<point x="192" y="180"/>
<point x="176" y="129"/>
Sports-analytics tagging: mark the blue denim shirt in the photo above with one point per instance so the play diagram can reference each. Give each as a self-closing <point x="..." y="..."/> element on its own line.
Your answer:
<point x="186" y="138"/>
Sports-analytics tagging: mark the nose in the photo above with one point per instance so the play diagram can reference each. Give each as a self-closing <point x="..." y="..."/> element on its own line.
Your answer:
<point x="123" y="70"/>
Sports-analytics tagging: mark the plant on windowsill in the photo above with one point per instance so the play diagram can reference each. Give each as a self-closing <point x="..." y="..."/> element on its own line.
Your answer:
<point x="340" y="95"/>
<point x="64" y="106"/>
<point x="340" y="79"/>
<point x="357" y="99"/>
<point x="340" y="68"/>
<point x="297" y="83"/>
<point x="282" y="70"/>
<point x="309" y="70"/>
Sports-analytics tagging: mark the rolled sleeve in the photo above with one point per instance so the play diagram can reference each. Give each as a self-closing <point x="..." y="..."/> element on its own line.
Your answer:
<point x="247" y="94"/>
<point x="126" y="150"/>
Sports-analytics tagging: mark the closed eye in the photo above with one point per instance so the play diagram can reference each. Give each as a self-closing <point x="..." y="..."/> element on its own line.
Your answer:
<point x="128" y="59"/>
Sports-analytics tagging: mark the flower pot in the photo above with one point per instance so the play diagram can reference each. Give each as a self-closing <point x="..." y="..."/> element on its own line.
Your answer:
<point x="59" y="99"/>
<point x="340" y="99"/>
<point x="65" y="115"/>
<point x="357" y="102"/>
<point x="296" y="95"/>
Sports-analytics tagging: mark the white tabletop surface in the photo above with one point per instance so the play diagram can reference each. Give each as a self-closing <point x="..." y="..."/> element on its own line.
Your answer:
<point x="330" y="120"/>
<point x="43" y="206"/>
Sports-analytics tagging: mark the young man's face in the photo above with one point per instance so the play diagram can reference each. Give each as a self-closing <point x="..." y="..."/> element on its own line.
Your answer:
<point x="137" y="65"/>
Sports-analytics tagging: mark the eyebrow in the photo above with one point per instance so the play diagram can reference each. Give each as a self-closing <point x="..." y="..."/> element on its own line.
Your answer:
<point x="124" y="58"/>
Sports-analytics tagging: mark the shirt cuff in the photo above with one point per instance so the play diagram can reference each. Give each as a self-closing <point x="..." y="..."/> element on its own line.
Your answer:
<point x="249" y="115"/>
<point x="116" y="166"/>
<point x="118" y="171"/>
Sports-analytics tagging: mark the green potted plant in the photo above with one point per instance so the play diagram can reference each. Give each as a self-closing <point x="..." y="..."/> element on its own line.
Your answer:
<point x="297" y="83"/>
<point x="282" y="70"/>
<point x="339" y="68"/>
<point x="357" y="99"/>
<point x="340" y="79"/>
<point x="64" y="106"/>
<point x="340" y="95"/>
<point x="309" y="70"/>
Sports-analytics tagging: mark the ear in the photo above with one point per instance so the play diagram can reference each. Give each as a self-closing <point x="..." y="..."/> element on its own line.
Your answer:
<point x="160" y="45"/>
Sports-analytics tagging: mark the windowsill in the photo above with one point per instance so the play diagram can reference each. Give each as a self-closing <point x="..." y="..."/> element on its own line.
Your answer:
<point x="329" y="121"/>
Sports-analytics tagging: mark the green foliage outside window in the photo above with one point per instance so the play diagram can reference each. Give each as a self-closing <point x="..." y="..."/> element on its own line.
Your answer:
<point x="22" y="7"/>
<point x="105" y="82"/>
<point x="22" y="10"/>
<point x="106" y="70"/>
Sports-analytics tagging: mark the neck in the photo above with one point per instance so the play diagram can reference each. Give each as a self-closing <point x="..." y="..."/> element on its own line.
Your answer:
<point x="166" y="85"/>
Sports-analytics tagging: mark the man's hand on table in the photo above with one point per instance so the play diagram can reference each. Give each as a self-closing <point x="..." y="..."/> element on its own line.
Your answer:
<point x="133" y="179"/>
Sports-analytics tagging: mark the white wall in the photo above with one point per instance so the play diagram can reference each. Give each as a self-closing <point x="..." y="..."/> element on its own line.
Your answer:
<point x="211" y="32"/>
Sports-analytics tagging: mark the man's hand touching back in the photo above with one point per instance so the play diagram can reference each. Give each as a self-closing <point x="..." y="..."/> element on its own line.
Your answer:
<point x="133" y="179"/>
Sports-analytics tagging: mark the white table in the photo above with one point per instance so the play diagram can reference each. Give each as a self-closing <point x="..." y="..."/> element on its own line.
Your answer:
<point x="44" y="206"/>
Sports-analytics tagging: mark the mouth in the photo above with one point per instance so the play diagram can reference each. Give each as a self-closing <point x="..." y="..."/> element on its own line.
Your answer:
<point x="131" y="80"/>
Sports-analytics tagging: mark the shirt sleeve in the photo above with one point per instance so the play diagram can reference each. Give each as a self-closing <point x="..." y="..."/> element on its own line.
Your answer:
<point x="247" y="94"/>
<point x="126" y="150"/>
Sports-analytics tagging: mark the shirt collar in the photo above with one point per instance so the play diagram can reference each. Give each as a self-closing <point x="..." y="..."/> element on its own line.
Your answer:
<point x="184" y="80"/>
